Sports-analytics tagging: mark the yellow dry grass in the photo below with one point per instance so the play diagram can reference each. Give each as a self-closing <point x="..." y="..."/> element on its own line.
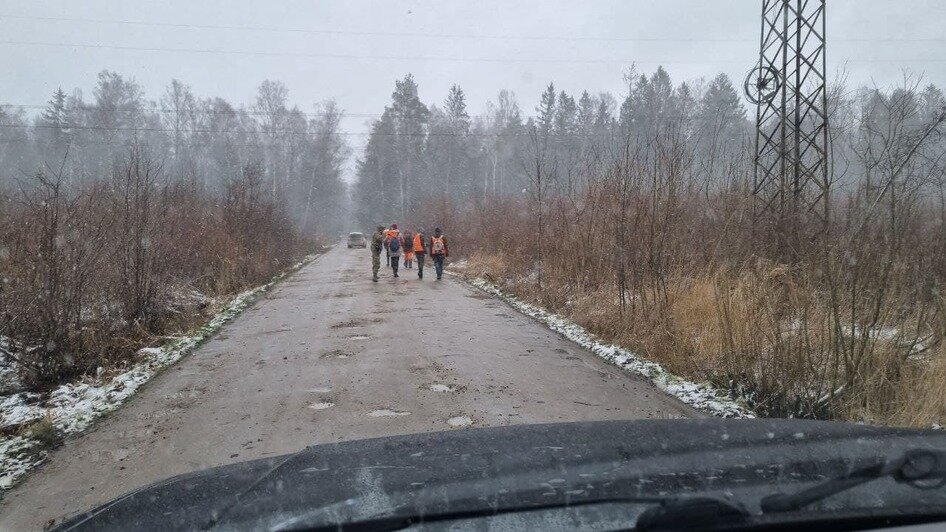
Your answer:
<point x="760" y="327"/>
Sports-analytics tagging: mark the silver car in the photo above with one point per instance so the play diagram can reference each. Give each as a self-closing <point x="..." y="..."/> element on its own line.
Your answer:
<point x="357" y="240"/>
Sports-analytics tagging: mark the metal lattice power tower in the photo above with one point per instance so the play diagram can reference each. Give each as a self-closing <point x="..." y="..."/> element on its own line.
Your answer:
<point x="789" y="89"/>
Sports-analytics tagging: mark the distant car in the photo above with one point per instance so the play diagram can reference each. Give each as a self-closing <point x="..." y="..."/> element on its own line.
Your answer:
<point x="357" y="240"/>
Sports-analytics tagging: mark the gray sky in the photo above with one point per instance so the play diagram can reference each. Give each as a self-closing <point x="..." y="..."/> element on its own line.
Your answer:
<point x="353" y="50"/>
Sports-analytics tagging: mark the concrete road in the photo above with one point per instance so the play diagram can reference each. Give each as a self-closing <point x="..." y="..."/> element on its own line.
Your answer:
<point x="329" y="356"/>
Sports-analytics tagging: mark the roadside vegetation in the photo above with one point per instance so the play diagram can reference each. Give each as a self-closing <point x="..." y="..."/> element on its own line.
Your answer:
<point x="636" y="218"/>
<point x="125" y="222"/>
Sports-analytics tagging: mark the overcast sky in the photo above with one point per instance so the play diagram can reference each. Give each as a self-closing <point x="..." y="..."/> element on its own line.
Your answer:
<point x="353" y="50"/>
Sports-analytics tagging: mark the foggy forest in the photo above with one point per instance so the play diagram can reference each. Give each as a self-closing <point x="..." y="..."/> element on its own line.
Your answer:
<point x="124" y="215"/>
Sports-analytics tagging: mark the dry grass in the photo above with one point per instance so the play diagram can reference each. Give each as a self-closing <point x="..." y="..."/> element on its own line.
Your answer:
<point x="760" y="331"/>
<point x="94" y="270"/>
<point x="44" y="432"/>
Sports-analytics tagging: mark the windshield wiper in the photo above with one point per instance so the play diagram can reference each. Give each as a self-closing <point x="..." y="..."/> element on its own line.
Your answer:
<point x="409" y="519"/>
<point x="671" y="513"/>
<point x="919" y="468"/>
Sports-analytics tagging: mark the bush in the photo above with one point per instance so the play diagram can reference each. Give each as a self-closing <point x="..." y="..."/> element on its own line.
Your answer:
<point x="44" y="433"/>
<point x="93" y="270"/>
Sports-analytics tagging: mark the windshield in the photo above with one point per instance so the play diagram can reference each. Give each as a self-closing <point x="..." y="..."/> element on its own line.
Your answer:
<point x="232" y="231"/>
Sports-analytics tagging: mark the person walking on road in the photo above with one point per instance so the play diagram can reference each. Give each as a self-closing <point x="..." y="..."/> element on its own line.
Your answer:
<point x="388" y="234"/>
<point x="377" y="242"/>
<point x="419" y="246"/>
<point x="395" y="244"/>
<point x="408" y="240"/>
<point x="438" y="251"/>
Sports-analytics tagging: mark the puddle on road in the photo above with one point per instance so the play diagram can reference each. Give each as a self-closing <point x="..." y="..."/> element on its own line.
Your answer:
<point x="460" y="421"/>
<point x="319" y="389"/>
<point x="337" y="353"/>
<point x="441" y="388"/>
<point x="384" y="412"/>
<point x="479" y="295"/>
<point x="321" y="406"/>
<point x="359" y="337"/>
<point x="354" y="322"/>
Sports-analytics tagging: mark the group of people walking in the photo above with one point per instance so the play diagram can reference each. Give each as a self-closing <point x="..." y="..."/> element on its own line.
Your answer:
<point x="413" y="246"/>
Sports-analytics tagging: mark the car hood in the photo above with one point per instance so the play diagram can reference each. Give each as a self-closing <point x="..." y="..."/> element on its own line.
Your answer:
<point x="519" y="465"/>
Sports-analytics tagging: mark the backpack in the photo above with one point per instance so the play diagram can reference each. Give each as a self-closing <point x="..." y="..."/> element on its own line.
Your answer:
<point x="436" y="246"/>
<point x="394" y="244"/>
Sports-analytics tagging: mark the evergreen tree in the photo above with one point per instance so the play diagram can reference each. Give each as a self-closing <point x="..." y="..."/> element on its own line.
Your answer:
<point x="566" y="116"/>
<point x="410" y="125"/>
<point x="450" y="147"/>
<point x="546" y="111"/>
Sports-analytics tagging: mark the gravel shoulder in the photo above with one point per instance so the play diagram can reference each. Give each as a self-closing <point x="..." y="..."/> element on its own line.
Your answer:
<point x="329" y="356"/>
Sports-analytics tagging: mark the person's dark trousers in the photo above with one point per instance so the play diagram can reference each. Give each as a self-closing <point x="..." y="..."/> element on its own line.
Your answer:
<point x="438" y="265"/>
<point x="420" y="265"/>
<point x="394" y="263"/>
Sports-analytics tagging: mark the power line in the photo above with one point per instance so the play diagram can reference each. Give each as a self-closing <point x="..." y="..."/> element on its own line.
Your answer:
<point x="340" y="133"/>
<point x="367" y="33"/>
<point x="565" y="38"/>
<point x="499" y="60"/>
<point x="356" y="57"/>
<point x="235" y="112"/>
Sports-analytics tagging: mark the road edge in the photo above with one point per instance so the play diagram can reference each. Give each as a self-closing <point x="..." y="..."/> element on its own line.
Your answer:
<point x="77" y="406"/>
<point x="702" y="396"/>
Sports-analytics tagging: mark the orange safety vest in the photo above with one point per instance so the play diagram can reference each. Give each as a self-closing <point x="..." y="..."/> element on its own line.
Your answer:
<point x="418" y="243"/>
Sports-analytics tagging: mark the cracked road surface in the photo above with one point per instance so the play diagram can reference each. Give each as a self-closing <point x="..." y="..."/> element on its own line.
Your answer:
<point x="329" y="356"/>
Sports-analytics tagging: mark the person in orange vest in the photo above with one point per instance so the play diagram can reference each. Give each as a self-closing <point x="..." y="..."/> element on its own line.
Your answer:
<point x="408" y="240"/>
<point x="438" y="251"/>
<point x="420" y="250"/>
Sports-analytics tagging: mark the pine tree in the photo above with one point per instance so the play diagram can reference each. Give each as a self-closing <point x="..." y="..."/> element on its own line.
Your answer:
<point x="566" y="115"/>
<point x="586" y="113"/>
<point x="546" y="111"/>
<point x="410" y="117"/>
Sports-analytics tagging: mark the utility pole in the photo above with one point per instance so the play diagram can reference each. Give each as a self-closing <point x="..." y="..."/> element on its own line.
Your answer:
<point x="789" y="88"/>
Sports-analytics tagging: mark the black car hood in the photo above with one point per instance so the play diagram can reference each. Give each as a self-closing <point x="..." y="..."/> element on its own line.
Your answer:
<point x="519" y="465"/>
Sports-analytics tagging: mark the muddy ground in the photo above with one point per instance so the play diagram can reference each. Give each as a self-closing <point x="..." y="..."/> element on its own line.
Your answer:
<point x="329" y="356"/>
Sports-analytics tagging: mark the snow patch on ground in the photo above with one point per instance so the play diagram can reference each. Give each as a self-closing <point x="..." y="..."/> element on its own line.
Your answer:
<point x="703" y="396"/>
<point x="321" y="406"/>
<point x="384" y="412"/>
<point x="460" y="421"/>
<point x="74" y="406"/>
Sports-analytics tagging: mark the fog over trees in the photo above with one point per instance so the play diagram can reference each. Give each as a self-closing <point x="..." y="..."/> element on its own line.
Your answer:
<point x="635" y="215"/>
<point x="205" y="141"/>
<point x="126" y="217"/>
<point x="417" y="150"/>
<point x="632" y="213"/>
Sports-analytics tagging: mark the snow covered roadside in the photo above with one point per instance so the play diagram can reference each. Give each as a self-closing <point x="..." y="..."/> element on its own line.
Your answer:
<point x="73" y="407"/>
<point x="702" y="396"/>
